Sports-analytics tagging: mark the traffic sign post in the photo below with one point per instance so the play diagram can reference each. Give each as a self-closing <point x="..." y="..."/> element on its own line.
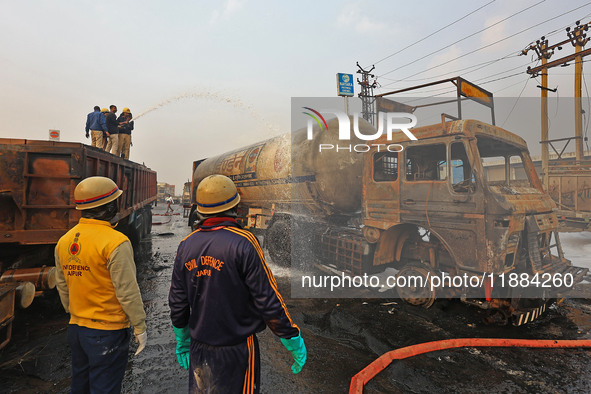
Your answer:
<point x="345" y="88"/>
<point x="345" y="85"/>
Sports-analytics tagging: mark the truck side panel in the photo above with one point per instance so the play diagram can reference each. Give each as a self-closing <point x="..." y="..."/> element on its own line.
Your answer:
<point x="37" y="182"/>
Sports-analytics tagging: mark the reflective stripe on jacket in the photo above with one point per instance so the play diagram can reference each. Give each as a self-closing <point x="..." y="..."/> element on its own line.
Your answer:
<point x="223" y="289"/>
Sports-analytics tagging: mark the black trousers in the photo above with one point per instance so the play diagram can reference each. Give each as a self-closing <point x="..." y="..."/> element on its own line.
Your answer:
<point x="99" y="358"/>
<point x="225" y="369"/>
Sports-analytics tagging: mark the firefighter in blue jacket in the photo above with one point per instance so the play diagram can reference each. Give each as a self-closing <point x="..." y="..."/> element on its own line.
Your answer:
<point x="222" y="293"/>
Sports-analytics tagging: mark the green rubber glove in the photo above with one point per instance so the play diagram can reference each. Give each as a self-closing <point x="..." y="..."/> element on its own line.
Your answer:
<point x="298" y="350"/>
<point x="183" y="345"/>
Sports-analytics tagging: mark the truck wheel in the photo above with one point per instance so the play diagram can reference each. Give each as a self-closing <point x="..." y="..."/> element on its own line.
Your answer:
<point x="135" y="229"/>
<point x="148" y="221"/>
<point x="278" y="241"/>
<point x="497" y="317"/>
<point x="410" y="290"/>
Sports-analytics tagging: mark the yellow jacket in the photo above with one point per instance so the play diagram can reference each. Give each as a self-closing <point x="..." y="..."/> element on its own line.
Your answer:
<point x="96" y="278"/>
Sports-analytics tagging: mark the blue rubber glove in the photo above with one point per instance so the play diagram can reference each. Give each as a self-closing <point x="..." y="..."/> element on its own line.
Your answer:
<point x="183" y="345"/>
<point x="298" y="350"/>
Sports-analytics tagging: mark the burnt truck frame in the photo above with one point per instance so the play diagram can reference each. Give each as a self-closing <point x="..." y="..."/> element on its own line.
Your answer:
<point x="435" y="212"/>
<point x="37" y="182"/>
<point x="425" y="210"/>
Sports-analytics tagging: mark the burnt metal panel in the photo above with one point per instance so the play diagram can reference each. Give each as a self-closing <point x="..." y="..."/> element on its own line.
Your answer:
<point x="37" y="182"/>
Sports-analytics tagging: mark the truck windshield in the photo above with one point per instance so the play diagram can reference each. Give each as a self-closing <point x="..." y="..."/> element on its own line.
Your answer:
<point x="503" y="163"/>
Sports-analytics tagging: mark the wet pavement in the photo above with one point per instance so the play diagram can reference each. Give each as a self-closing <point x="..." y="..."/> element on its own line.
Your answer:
<point x="342" y="337"/>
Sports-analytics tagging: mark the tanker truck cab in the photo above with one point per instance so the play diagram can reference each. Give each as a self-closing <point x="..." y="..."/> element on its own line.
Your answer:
<point x="439" y="206"/>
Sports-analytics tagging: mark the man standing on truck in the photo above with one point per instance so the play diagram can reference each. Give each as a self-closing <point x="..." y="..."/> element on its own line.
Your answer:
<point x="96" y="124"/>
<point x="105" y="111"/>
<point x="96" y="282"/>
<point x="125" y="127"/>
<point x="222" y="293"/>
<point x="113" y="126"/>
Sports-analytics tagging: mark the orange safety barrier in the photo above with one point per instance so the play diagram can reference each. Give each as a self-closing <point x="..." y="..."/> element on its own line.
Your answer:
<point x="365" y="375"/>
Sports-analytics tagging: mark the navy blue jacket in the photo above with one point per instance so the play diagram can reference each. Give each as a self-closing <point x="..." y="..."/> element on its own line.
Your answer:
<point x="96" y="121"/>
<point x="223" y="289"/>
<point x="112" y="124"/>
<point x="125" y="128"/>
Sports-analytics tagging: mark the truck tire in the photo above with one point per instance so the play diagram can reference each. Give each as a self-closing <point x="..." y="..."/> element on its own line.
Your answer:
<point x="134" y="229"/>
<point x="411" y="292"/>
<point x="139" y="226"/>
<point x="278" y="242"/>
<point x="148" y="221"/>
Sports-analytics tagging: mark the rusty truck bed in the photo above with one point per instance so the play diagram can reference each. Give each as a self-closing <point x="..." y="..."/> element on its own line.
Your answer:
<point x="37" y="181"/>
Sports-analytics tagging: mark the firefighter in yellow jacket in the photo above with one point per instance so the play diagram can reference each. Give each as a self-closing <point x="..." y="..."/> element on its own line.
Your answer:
<point x="96" y="281"/>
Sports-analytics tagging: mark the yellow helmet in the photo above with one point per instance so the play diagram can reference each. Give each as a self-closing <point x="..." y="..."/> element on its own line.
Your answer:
<point x="95" y="191"/>
<point x="126" y="110"/>
<point x="104" y="110"/>
<point x="215" y="194"/>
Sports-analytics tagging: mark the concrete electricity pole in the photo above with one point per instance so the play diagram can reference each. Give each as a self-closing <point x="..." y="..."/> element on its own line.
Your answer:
<point x="578" y="39"/>
<point x="544" y="53"/>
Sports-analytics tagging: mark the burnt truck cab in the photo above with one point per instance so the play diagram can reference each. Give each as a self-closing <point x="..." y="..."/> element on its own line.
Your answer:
<point x="435" y="205"/>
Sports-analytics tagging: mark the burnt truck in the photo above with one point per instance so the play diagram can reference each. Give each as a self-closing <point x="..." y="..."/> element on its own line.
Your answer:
<point x="425" y="208"/>
<point x="37" y="182"/>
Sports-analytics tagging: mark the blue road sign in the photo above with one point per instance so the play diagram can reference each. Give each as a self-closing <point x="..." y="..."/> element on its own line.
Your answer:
<point x="345" y="84"/>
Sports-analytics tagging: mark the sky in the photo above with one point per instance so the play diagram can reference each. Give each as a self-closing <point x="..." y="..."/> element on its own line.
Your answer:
<point x="211" y="76"/>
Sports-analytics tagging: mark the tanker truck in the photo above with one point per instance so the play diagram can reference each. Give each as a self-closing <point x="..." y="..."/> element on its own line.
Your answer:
<point x="426" y="208"/>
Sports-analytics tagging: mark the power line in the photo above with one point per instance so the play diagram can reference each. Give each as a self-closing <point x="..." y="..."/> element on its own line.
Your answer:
<point x="483" y="83"/>
<point x="455" y="90"/>
<point x="455" y="72"/>
<point x="511" y="69"/>
<point x="481" y="79"/>
<point x="508" y="86"/>
<point x="462" y="39"/>
<point x="513" y="84"/>
<point x="556" y="31"/>
<point x="499" y="79"/>
<point x="515" y="103"/>
<point x="435" y="32"/>
<point x="498" y="41"/>
<point x="483" y="64"/>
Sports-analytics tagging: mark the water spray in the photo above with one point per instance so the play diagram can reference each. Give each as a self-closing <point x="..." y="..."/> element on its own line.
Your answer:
<point x="217" y="97"/>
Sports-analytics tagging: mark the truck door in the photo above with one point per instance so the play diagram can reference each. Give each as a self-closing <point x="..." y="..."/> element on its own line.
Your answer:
<point x="439" y="193"/>
<point x="382" y="189"/>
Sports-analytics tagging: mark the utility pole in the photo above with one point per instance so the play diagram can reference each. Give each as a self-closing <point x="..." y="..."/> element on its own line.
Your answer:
<point x="544" y="53"/>
<point x="366" y="94"/>
<point x="578" y="40"/>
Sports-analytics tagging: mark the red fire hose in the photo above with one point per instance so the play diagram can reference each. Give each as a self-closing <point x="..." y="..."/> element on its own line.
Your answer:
<point x="365" y="375"/>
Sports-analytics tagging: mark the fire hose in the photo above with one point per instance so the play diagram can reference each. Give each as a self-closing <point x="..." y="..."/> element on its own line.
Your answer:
<point x="369" y="372"/>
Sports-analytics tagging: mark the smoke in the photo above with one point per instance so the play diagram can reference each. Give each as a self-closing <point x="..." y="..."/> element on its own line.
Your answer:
<point x="215" y="97"/>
